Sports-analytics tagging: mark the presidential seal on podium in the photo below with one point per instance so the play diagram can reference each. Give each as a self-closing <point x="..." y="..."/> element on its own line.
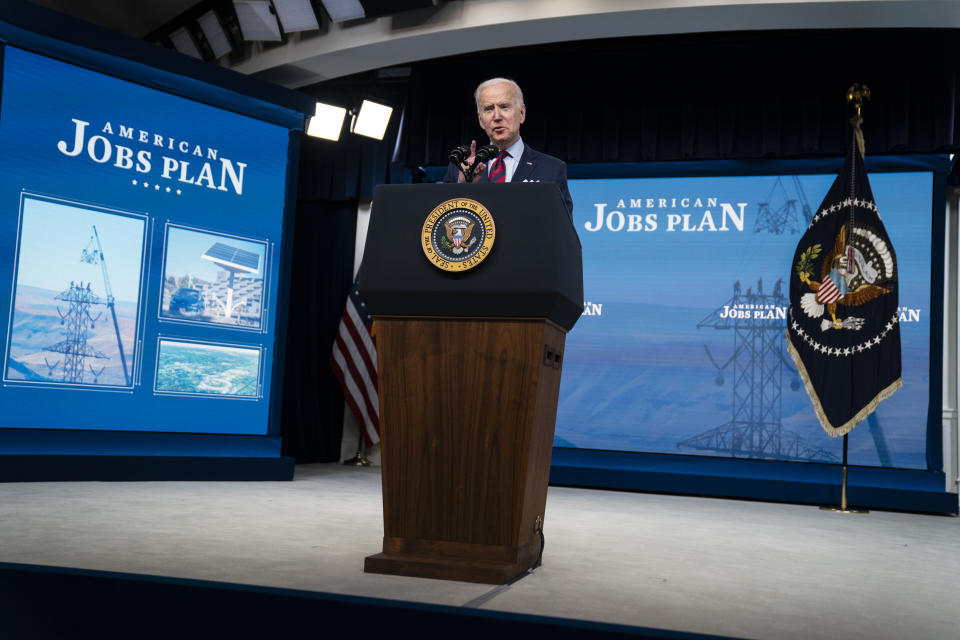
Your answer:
<point x="458" y="235"/>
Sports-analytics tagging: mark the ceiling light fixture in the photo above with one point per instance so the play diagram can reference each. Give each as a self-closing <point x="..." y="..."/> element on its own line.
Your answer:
<point x="257" y="21"/>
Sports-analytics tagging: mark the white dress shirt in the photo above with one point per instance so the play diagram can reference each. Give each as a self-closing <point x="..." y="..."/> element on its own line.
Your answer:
<point x="510" y="162"/>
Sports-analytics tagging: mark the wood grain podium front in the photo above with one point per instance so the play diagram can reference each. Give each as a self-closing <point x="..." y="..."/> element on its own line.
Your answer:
<point x="468" y="393"/>
<point x="467" y="416"/>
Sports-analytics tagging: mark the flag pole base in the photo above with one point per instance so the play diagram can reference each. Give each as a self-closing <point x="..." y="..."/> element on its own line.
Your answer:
<point x="357" y="461"/>
<point x="844" y="510"/>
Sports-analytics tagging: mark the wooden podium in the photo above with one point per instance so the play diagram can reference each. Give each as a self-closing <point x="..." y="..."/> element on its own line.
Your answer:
<point x="469" y="374"/>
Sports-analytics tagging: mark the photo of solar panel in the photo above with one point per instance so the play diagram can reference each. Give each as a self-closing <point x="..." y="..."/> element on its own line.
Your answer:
<point x="214" y="279"/>
<point x="232" y="258"/>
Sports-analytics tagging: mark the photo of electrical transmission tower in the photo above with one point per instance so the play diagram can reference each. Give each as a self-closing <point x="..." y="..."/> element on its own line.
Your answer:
<point x="78" y="281"/>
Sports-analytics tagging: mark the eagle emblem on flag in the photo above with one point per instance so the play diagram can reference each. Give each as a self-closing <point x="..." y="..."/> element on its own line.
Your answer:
<point x="850" y="275"/>
<point x="843" y="330"/>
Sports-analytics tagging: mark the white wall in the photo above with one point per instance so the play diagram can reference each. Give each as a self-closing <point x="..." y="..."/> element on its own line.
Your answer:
<point x="951" y="343"/>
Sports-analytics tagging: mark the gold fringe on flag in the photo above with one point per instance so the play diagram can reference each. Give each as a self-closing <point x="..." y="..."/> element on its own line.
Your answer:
<point x="863" y="414"/>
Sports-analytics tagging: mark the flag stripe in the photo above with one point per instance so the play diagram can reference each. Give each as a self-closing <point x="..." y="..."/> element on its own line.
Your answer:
<point x="360" y="408"/>
<point x="358" y="404"/>
<point x="360" y="334"/>
<point x="354" y="363"/>
<point x="360" y="375"/>
<point x="362" y="359"/>
<point x="367" y="428"/>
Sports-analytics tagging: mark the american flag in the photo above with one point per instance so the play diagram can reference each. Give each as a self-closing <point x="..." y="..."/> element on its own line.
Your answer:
<point x="354" y="362"/>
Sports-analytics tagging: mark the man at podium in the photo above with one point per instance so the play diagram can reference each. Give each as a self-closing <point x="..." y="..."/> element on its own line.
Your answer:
<point x="470" y="359"/>
<point x="501" y="111"/>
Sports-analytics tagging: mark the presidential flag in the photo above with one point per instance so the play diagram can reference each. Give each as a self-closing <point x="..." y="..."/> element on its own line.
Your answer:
<point x="842" y="329"/>
<point x="354" y="362"/>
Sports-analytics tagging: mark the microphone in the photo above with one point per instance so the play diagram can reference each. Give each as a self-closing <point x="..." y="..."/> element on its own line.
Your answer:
<point x="486" y="152"/>
<point x="483" y="154"/>
<point x="459" y="154"/>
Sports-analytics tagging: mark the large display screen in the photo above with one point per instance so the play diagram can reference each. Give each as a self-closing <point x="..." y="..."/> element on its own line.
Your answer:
<point x="681" y="349"/>
<point x="139" y="254"/>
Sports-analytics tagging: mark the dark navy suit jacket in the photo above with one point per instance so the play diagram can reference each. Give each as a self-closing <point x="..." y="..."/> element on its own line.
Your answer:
<point x="533" y="167"/>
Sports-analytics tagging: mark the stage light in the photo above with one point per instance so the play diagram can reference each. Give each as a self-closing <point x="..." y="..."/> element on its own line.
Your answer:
<point x="257" y="21"/>
<point x="296" y="15"/>
<point x="183" y="42"/>
<point x="342" y="10"/>
<point x="214" y="33"/>
<point x="327" y="121"/>
<point x="372" y="120"/>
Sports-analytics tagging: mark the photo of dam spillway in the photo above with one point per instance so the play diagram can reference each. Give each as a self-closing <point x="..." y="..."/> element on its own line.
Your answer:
<point x="207" y="369"/>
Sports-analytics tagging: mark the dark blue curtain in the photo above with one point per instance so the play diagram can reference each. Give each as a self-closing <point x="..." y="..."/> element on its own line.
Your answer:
<point x="701" y="97"/>
<point x="333" y="178"/>
<point x="321" y="275"/>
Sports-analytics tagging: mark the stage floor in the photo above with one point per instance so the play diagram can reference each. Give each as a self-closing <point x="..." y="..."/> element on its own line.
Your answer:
<point x="727" y="567"/>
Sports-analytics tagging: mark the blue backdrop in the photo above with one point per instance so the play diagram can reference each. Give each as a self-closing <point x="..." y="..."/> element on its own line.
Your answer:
<point x="656" y="363"/>
<point x="95" y="164"/>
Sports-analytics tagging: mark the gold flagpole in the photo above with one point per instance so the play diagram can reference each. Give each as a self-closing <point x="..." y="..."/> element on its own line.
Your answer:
<point x="843" y="508"/>
<point x="857" y="94"/>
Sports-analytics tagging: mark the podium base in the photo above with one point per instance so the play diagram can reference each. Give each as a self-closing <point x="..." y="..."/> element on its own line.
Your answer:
<point x="461" y="569"/>
<point x="446" y="560"/>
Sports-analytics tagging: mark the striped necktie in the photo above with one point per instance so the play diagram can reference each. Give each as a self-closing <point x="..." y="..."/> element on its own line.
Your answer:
<point x="498" y="168"/>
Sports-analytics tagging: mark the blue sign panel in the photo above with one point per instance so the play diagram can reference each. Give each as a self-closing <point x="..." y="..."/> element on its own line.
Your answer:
<point x="681" y="345"/>
<point x="139" y="255"/>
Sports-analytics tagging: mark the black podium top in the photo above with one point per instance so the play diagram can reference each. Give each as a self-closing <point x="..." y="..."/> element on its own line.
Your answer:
<point x="533" y="270"/>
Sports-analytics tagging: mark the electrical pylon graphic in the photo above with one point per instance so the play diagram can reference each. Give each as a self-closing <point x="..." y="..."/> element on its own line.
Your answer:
<point x="755" y="429"/>
<point x="77" y="322"/>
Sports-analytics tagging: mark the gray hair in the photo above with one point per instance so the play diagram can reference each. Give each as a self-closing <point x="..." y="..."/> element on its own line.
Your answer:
<point x="492" y="81"/>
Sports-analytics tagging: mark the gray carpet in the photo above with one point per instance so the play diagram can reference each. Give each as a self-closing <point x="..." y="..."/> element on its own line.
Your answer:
<point x="746" y="569"/>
